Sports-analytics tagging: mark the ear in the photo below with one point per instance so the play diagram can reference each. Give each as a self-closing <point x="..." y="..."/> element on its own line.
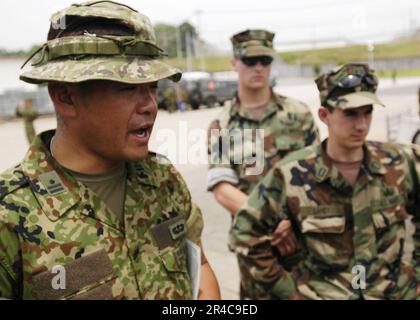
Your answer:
<point x="234" y="64"/>
<point x="323" y="114"/>
<point x="63" y="98"/>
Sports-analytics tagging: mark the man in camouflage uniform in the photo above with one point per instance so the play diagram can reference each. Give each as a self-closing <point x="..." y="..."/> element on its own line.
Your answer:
<point x="287" y="125"/>
<point x="26" y="111"/>
<point x="348" y="200"/>
<point x="90" y="213"/>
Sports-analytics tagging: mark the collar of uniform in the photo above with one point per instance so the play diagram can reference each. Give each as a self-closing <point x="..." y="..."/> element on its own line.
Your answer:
<point x="324" y="168"/>
<point x="144" y="171"/>
<point x="274" y="105"/>
<point x="52" y="185"/>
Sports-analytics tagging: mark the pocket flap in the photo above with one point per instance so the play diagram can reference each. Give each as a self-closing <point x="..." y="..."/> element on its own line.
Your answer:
<point x="324" y="225"/>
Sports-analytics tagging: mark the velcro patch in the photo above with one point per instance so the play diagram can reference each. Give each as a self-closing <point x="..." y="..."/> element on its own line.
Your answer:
<point x="78" y="274"/>
<point x="167" y="232"/>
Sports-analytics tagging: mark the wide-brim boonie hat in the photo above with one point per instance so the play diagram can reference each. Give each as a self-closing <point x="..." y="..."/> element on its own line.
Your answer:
<point x="134" y="59"/>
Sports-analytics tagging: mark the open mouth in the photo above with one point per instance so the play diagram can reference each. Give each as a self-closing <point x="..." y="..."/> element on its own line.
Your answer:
<point x="142" y="133"/>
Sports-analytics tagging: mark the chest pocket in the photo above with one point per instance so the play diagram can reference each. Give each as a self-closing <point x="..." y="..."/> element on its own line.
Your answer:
<point x="90" y="277"/>
<point x="327" y="235"/>
<point x="170" y="280"/>
<point x="389" y="217"/>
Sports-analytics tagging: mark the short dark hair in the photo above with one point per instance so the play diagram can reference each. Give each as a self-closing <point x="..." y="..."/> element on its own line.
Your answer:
<point x="329" y="108"/>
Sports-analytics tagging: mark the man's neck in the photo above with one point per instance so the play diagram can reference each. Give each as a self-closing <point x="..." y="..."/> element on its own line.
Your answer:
<point x="71" y="155"/>
<point x="254" y="99"/>
<point x="342" y="154"/>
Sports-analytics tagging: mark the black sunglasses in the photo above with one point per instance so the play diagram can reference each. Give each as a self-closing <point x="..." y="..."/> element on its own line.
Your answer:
<point x="252" y="61"/>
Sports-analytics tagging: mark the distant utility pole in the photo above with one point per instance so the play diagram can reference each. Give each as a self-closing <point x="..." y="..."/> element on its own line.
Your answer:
<point x="178" y="43"/>
<point x="200" y="44"/>
<point x="314" y="36"/>
<point x="371" y="54"/>
<point x="188" y="44"/>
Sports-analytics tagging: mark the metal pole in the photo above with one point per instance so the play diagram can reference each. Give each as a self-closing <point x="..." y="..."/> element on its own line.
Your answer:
<point x="200" y="44"/>
<point x="188" y="50"/>
<point x="178" y="43"/>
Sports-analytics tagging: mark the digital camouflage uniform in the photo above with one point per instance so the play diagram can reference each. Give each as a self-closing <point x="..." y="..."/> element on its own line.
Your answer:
<point x="287" y="125"/>
<point x="339" y="226"/>
<point x="51" y="222"/>
<point x="47" y="218"/>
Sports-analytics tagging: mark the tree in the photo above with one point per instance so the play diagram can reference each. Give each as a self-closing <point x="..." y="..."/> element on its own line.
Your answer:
<point x="167" y="38"/>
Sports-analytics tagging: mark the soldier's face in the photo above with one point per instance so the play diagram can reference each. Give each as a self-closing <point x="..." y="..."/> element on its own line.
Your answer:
<point x="348" y="128"/>
<point x="252" y="77"/>
<point x="115" y="120"/>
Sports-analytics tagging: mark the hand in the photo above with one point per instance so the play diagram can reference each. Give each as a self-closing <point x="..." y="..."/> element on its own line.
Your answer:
<point x="284" y="238"/>
<point x="296" y="296"/>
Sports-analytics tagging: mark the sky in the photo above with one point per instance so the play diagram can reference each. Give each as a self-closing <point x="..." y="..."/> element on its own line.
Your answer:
<point x="297" y="23"/>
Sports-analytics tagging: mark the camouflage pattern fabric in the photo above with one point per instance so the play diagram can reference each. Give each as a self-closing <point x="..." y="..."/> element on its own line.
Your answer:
<point x="288" y="126"/>
<point x="333" y="94"/>
<point x="128" y="59"/>
<point x="339" y="227"/>
<point x="47" y="219"/>
<point x="253" y="43"/>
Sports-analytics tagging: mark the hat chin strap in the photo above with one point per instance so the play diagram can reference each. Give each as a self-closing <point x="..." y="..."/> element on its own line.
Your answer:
<point x="95" y="45"/>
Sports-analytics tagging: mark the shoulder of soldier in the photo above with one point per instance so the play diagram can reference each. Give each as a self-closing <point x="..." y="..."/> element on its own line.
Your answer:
<point x="11" y="181"/>
<point x="290" y="104"/>
<point x="412" y="151"/>
<point x="308" y="153"/>
<point x="388" y="153"/>
<point x="223" y="117"/>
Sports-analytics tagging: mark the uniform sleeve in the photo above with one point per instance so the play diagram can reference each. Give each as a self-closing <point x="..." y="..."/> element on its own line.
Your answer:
<point x="251" y="236"/>
<point x="195" y="224"/>
<point x="192" y="213"/>
<point x="220" y="168"/>
<point x="9" y="259"/>
<point x="412" y="181"/>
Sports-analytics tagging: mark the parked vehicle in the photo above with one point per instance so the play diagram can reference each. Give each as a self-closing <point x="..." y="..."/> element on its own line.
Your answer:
<point x="196" y="89"/>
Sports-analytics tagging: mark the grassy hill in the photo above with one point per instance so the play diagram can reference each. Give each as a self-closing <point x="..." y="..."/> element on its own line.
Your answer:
<point x="409" y="48"/>
<point x="406" y="48"/>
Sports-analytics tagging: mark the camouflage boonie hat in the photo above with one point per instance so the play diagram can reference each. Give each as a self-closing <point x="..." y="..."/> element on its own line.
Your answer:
<point x="253" y="43"/>
<point x="348" y="86"/>
<point x="129" y="59"/>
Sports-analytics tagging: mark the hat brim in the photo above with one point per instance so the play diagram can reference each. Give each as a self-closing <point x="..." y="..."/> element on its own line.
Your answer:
<point x="133" y="70"/>
<point x="355" y="100"/>
<point x="255" y="51"/>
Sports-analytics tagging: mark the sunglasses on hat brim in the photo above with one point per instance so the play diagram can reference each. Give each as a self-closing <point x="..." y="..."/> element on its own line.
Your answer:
<point x="351" y="81"/>
<point x="252" y="61"/>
